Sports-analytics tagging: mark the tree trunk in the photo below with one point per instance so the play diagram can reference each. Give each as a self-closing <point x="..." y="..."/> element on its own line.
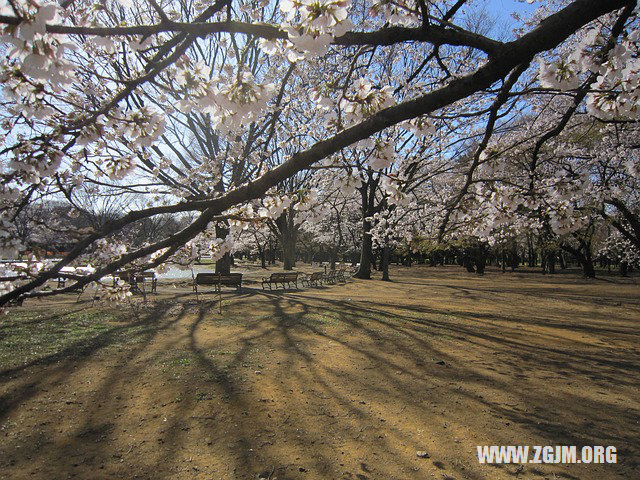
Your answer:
<point x="223" y="265"/>
<point x="480" y="261"/>
<point x="385" y="263"/>
<point x="563" y="263"/>
<point x="366" y="254"/>
<point x="531" y="252"/>
<point x="333" y="258"/>
<point x="514" y="260"/>
<point x="587" y="268"/>
<point x="287" y="233"/>
<point x="467" y="262"/>
<point x="263" y="257"/>
<point x="288" y="250"/>
<point x="624" y="268"/>
<point x="583" y="258"/>
<point x="551" y="262"/>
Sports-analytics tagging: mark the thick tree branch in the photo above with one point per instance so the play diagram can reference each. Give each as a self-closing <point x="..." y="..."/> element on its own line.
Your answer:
<point x="386" y="36"/>
<point x="547" y="35"/>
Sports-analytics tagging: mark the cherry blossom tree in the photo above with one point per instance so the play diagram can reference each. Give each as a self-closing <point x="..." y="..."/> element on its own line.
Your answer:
<point x="88" y="90"/>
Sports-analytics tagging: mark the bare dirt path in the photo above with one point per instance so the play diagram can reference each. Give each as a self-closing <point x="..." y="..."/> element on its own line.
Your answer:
<point x="343" y="382"/>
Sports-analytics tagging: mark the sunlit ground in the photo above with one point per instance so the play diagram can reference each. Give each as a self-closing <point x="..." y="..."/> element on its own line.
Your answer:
<point x="341" y="382"/>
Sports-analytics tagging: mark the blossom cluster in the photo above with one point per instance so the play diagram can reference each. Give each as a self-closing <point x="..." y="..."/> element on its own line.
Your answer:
<point x="364" y="100"/>
<point x="615" y="94"/>
<point x="619" y="249"/>
<point x="232" y="99"/>
<point x="311" y="25"/>
<point x="397" y="12"/>
<point x="274" y="206"/>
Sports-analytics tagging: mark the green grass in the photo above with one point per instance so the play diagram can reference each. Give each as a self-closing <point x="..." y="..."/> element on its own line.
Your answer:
<point x="175" y="362"/>
<point x="28" y="336"/>
<point x="216" y="351"/>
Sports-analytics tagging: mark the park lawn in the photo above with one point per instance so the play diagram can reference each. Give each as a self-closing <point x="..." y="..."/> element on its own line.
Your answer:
<point x="340" y="382"/>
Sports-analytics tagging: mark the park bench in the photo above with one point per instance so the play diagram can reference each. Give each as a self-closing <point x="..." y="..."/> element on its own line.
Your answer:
<point x="334" y="276"/>
<point x="330" y="277"/>
<point x="139" y="280"/>
<point x="63" y="278"/>
<point x="280" y="278"/>
<point x="218" y="280"/>
<point x="314" y="279"/>
<point x="70" y="274"/>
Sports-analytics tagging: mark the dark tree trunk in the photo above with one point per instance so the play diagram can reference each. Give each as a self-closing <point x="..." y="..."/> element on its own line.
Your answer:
<point x="288" y="250"/>
<point x="287" y="233"/>
<point x="515" y="260"/>
<point x="366" y="253"/>
<point x="272" y="254"/>
<point x="588" y="269"/>
<point x="385" y="263"/>
<point x="223" y="265"/>
<point x="367" y="200"/>
<point x="333" y="258"/>
<point x="467" y="262"/>
<point x="531" y="252"/>
<point x="583" y="256"/>
<point x="624" y="268"/>
<point x="263" y="257"/>
<point x="563" y="263"/>
<point x="551" y="262"/>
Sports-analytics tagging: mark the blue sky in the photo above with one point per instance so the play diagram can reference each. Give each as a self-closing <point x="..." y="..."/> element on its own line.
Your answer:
<point x="508" y="6"/>
<point x="501" y="11"/>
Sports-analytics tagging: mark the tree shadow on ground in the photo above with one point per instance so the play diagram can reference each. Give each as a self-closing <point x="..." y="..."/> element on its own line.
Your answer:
<point x="302" y="385"/>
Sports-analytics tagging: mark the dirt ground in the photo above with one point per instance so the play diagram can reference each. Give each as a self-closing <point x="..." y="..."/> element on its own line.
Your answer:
<point x="339" y="382"/>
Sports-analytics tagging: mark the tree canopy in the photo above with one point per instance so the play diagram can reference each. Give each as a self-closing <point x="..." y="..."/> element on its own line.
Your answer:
<point x="235" y="113"/>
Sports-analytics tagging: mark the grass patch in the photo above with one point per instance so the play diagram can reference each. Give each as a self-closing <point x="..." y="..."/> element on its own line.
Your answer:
<point x="177" y="363"/>
<point x="27" y="337"/>
<point x="178" y="359"/>
<point x="220" y="352"/>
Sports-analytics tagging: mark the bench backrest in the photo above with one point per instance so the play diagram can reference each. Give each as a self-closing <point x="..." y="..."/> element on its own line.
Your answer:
<point x="218" y="278"/>
<point x="146" y="275"/>
<point x="283" y="277"/>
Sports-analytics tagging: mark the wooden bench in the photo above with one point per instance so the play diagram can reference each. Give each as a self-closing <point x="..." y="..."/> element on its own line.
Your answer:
<point x="218" y="280"/>
<point x="330" y="277"/>
<point x="137" y="280"/>
<point x="144" y="278"/>
<point x="280" y="278"/>
<point x="314" y="279"/>
<point x="72" y="278"/>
